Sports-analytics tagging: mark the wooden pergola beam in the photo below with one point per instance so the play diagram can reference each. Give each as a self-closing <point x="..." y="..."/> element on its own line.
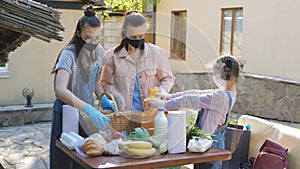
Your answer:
<point x="70" y="4"/>
<point x="15" y="43"/>
<point x="23" y="19"/>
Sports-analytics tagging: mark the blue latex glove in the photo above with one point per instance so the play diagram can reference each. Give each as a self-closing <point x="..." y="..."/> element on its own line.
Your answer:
<point x="100" y="121"/>
<point x="106" y="105"/>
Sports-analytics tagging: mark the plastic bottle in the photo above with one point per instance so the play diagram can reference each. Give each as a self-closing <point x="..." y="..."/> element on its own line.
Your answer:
<point x="247" y="127"/>
<point x="160" y="126"/>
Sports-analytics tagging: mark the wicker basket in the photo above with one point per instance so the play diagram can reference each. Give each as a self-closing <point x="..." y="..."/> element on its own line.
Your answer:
<point x="121" y="120"/>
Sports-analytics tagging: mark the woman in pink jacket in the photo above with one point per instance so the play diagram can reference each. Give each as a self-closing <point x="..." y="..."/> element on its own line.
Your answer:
<point x="134" y="66"/>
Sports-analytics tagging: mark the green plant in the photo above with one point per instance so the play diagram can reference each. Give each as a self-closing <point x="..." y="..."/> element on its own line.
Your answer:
<point x="126" y="5"/>
<point x="233" y="120"/>
<point x="196" y="134"/>
<point x="190" y="120"/>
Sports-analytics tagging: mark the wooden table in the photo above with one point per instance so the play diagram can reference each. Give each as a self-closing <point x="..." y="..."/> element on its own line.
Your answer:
<point x="164" y="160"/>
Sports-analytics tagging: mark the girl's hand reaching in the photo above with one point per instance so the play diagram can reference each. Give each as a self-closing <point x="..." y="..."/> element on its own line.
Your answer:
<point x="156" y="102"/>
<point x="164" y="95"/>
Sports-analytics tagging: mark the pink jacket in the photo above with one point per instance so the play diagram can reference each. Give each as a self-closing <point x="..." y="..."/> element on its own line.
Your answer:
<point x="119" y="73"/>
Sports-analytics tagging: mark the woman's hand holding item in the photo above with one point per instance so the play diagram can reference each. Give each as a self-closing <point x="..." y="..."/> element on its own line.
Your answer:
<point x="106" y="104"/>
<point x="100" y="121"/>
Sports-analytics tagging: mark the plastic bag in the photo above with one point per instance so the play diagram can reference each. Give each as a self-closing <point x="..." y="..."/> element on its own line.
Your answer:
<point x="200" y="145"/>
<point x="70" y="139"/>
<point x="110" y="148"/>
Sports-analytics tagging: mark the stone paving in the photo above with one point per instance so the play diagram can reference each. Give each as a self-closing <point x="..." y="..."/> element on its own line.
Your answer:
<point x="25" y="147"/>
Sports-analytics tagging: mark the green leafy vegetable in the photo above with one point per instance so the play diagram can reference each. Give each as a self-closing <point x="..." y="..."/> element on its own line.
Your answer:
<point x="139" y="134"/>
<point x="196" y="133"/>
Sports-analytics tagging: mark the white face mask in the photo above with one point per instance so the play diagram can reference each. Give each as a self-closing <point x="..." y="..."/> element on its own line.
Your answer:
<point x="219" y="81"/>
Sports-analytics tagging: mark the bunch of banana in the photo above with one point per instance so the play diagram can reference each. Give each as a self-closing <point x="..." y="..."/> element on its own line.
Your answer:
<point x="138" y="148"/>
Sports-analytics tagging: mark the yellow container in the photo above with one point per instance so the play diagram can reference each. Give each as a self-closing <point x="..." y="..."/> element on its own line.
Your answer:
<point x="153" y="91"/>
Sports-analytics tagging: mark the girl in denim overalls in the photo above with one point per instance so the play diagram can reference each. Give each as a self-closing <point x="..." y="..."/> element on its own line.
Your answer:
<point x="76" y="73"/>
<point x="214" y="105"/>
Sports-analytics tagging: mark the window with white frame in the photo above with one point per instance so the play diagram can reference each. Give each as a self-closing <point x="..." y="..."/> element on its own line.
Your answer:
<point x="231" y="31"/>
<point x="4" y="72"/>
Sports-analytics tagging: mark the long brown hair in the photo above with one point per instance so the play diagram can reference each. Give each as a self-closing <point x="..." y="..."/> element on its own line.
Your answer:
<point x="133" y="18"/>
<point x="89" y="18"/>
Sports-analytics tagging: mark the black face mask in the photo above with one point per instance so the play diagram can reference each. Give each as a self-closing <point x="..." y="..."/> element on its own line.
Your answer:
<point x="80" y="41"/>
<point x="88" y="46"/>
<point x="135" y="43"/>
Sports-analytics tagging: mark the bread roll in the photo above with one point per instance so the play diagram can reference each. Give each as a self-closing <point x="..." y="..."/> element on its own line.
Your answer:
<point x="92" y="148"/>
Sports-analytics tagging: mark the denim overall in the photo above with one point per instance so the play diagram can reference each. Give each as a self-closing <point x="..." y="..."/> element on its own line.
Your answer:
<point x="84" y="91"/>
<point x="218" y="135"/>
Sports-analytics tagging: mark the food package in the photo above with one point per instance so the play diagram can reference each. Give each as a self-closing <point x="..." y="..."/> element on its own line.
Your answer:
<point x="93" y="148"/>
<point x="109" y="148"/>
<point x="200" y="145"/>
<point x="112" y="147"/>
<point x="70" y="139"/>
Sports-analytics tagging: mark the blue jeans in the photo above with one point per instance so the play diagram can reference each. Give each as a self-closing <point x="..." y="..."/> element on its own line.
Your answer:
<point x="219" y="136"/>
<point x="217" y="164"/>
<point x="59" y="159"/>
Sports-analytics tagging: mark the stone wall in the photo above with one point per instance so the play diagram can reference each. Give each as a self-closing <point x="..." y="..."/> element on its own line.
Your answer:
<point x="20" y="115"/>
<point x="262" y="96"/>
<point x="112" y="31"/>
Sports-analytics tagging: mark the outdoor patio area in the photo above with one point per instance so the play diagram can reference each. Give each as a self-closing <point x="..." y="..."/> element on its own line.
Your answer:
<point x="27" y="147"/>
<point x="152" y="83"/>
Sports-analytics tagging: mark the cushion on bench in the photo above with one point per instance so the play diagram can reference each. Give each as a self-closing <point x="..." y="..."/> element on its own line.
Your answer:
<point x="261" y="129"/>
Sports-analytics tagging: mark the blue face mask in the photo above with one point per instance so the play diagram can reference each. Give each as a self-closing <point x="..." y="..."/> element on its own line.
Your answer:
<point x="135" y="43"/>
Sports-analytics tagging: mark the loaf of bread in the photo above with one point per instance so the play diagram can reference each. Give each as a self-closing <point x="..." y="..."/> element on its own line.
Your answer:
<point x="92" y="148"/>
